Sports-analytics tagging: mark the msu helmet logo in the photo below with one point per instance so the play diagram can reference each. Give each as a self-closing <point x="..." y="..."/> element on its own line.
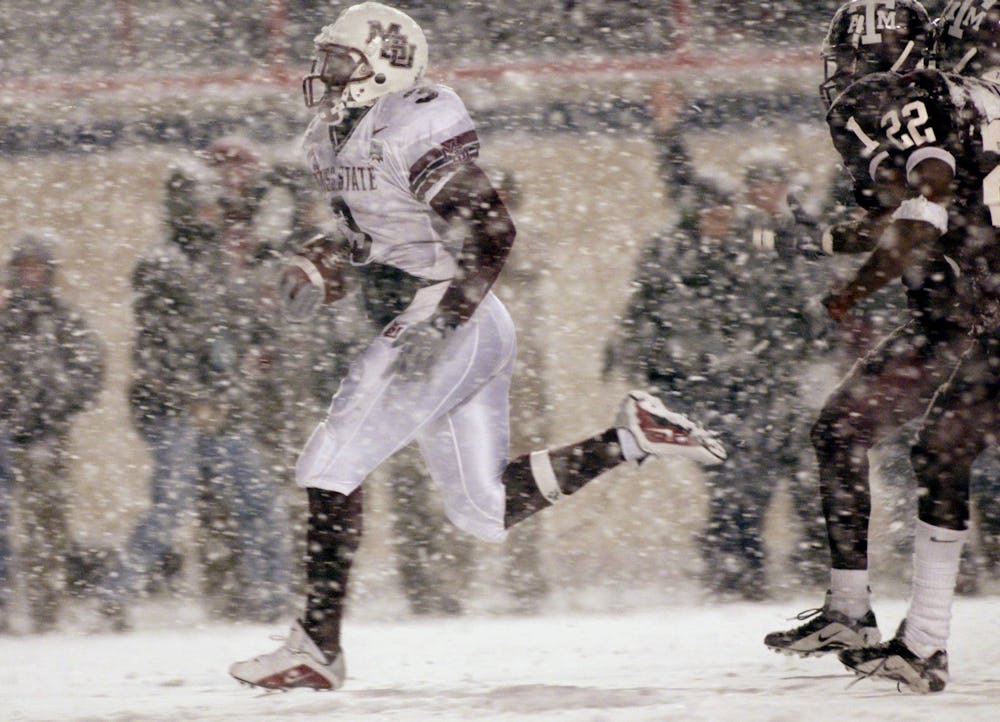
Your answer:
<point x="396" y="47"/>
<point x="387" y="52"/>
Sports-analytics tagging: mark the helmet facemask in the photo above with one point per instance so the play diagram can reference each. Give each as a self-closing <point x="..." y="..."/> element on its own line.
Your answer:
<point x="336" y="67"/>
<point x="371" y="50"/>
<point x="839" y="71"/>
<point x="844" y="64"/>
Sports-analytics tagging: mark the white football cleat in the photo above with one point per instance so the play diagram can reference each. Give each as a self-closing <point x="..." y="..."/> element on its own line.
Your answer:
<point x="296" y="663"/>
<point x="661" y="432"/>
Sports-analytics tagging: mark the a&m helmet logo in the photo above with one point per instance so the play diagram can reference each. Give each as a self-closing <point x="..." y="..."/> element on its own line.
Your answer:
<point x="871" y="17"/>
<point x="961" y="14"/>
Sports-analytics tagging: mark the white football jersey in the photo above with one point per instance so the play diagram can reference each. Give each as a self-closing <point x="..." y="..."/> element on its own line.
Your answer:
<point x="381" y="177"/>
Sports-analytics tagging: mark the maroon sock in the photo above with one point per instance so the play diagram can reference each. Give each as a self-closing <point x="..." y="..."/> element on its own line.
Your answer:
<point x="573" y="466"/>
<point x="332" y="539"/>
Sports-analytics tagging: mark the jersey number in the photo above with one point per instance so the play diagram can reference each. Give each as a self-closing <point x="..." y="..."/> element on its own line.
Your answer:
<point x="870" y="145"/>
<point x="915" y="117"/>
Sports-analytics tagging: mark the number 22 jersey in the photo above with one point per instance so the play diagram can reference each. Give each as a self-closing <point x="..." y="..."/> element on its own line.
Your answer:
<point x="885" y="124"/>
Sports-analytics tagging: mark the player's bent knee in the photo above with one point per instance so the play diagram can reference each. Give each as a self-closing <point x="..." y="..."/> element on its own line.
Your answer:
<point x="320" y="466"/>
<point x="483" y="528"/>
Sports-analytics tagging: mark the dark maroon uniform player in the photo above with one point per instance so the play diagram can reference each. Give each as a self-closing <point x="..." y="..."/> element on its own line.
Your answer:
<point x="922" y="149"/>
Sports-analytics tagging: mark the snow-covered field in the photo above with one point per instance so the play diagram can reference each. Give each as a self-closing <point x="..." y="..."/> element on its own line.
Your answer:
<point x="679" y="662"/>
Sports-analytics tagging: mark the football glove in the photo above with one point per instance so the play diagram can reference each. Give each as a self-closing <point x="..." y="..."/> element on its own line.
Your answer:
<point x="420" y="346"/>
<point x="313" y="276"/>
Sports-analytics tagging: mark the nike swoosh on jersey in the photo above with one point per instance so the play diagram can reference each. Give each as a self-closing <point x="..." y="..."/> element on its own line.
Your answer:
<point x="379" y="130"/>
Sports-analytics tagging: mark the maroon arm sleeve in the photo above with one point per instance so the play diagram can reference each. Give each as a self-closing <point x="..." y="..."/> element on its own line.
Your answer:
<point x="470" y="198"/>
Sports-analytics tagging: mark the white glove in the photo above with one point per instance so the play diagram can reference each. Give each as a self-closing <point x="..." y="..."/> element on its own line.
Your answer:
<point x="420" y="346"/>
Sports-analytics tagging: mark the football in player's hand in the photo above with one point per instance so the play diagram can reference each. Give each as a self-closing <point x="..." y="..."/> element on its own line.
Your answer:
<point x="321" y="262"/>
<point x="313" y="276"/>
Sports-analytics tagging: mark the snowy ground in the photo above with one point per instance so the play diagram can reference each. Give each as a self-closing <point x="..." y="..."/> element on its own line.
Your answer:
<point x="684" y="662"/>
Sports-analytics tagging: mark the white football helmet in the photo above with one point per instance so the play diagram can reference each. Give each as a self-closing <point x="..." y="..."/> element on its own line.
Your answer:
<point x="369" y="51"/>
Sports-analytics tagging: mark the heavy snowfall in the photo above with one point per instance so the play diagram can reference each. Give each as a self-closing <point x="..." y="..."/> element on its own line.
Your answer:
<point x="645" y="596"/>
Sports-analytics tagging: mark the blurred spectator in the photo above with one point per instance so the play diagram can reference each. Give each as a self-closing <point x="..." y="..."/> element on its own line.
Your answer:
<point x="203" y="343"/>
<point x="51" y="367"/>
<point x="265" y="208"/>
<point x="717" y="328"/>
<point x="269" y="209"/>
<point x="778" y="311"/>
<point x="435" y="571"/>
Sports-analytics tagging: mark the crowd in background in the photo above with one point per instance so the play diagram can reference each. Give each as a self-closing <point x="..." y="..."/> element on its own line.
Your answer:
<point x="214" y="35"/>
<point x="223" y="388"/>
<point x="222" y="392"/>
<point x="51" y="368"/>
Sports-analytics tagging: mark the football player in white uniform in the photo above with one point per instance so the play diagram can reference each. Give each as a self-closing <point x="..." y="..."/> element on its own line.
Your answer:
<point x="396" y="159"/>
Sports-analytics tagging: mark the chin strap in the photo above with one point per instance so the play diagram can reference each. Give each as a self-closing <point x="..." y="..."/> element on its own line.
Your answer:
<point x="902" y="57"/>
<point x="334" y="114"/>
<point x="966" y="59"/>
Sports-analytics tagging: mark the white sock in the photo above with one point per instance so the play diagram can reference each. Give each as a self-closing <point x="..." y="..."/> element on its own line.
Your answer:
<point x="630" y="447"/>
<point x="936" y="555"/>
<point x="849" y="592"/>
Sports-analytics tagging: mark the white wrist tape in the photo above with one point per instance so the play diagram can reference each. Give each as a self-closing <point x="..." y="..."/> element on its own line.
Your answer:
<point x="921" y="209"/>
<point x="545" y="476"/>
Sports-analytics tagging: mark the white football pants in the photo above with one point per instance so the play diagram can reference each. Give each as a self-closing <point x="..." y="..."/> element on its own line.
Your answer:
<point x="459" y="416"/>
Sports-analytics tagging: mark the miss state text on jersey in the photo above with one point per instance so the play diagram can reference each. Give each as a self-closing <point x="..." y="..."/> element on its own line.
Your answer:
<point x="380" y="171"/>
